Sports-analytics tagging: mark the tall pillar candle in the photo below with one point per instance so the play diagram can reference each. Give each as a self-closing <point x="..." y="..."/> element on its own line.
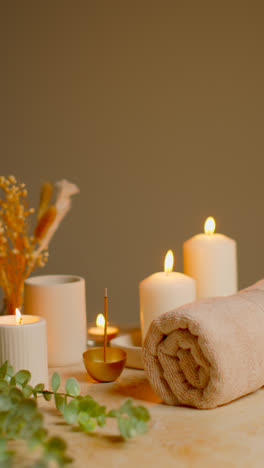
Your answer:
<point x="162" y="292"/>
<point x="211" y="259"/>
<point x="23" y="343"/>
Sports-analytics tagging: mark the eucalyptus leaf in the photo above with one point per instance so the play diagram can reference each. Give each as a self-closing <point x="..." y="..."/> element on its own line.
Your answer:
<point x="126" y="427"/>
<point x="10" y="371"/>
<point x="3" y="415"/>
<point x="39" y="388"/>
<point x="101" y="420"/>
<point x="15" y="395"/>
<point x="113" y="414"/>
<point x="38" y="438"/>
<point x="72" y="387"/>
<point x="28" y="391"/>
<point x="86" y="422"/>
<point x="141" y="426"/>
<point x="127" y="407"/>
<point x="40" y="434"/>
<point x="12" y="424"/>
<point x="12" y="382"/>
<point x="3" y="370"/>
<point x="3" y="386"/>
<point x="5" y="402"/>
<point x="36" y="422"/>
<point x="59" y="402"/>
<point x="6" y="457"/>
<point x="71" y="412"/>
<point x="56" y="443"/>
<point x="141" y="413"/>
<point x="47" y="395"/>
<point x="27" y="408"/>
<point x="87" y="404"/>
<point x="23" y="377"/>
<point x="55" y="382"/>
<point x="55" y="449"/>
<point x="3" y="445"/>
<point x="131" y="426"/>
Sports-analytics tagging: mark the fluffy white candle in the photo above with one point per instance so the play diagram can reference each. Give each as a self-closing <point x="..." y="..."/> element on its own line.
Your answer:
<point x="162" y="292"/>
<point x="23" y="343"/>
<point x="211" y="259"/>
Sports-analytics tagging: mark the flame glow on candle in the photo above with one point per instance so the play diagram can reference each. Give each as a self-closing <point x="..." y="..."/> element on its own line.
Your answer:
<point x="209" y="225"/>
<point x="100" y="321"/>
<point x="18" y="317"/>
<point x="168" y="262"/>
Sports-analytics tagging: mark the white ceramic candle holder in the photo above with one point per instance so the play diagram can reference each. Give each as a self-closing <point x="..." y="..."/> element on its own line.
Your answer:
<point x="60" y="299"/>
<point x="24" y="346"/>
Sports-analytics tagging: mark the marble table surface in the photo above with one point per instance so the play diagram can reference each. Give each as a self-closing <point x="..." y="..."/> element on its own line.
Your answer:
<point x="178" y="437"/>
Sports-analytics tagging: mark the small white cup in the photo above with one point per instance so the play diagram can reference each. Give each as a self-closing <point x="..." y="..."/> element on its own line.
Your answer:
<point x="60" y="299"/>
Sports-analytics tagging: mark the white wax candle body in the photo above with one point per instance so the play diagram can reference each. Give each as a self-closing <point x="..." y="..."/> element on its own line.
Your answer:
<point x="24" y="346"/>
<point x="211" y="259"/>
<point x="162" y="292"/>
<point x="60" y="299"/>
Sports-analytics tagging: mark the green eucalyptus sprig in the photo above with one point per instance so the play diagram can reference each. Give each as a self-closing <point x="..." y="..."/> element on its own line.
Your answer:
<point x="20" y="417"/>
<point x="85" y="412"/>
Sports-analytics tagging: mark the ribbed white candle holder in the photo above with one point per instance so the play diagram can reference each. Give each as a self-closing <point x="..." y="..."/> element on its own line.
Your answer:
<point x="24" y="346"/>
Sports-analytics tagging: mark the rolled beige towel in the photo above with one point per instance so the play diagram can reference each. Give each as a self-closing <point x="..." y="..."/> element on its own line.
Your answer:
<point x="210" y="352"/>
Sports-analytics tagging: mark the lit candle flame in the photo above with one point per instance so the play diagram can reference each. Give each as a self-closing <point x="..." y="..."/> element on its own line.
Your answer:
<point x="168" y="262"/>
<point x="209" y="225"/>
<point x="18" y="317"/>
<point x="100" y="321"/>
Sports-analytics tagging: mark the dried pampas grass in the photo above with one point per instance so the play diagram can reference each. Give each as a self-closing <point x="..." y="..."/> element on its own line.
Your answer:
<point x="21" y="252"/>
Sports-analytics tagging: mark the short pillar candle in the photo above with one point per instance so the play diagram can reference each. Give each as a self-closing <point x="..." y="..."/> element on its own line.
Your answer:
<point x="162" y="292"/>
<point x="23" y="343"/>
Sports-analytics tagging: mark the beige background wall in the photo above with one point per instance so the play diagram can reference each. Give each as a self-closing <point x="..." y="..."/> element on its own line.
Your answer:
<point x="155" y="109"/>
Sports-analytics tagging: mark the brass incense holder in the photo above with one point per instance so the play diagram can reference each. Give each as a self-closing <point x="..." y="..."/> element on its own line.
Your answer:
<point x="106" y="370"/>
<point x="104" y="364"/>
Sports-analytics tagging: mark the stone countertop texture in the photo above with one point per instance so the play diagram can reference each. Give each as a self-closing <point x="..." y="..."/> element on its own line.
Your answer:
<point x="178" y="437"/>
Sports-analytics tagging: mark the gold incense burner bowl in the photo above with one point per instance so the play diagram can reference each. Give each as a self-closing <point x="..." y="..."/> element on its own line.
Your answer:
<point x="108" y="370"/>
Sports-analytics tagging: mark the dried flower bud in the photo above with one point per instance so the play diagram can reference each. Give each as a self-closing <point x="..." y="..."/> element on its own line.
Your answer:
<point x="44" y="223"/>
<point x="11" y="179"/>
<point x="40" y="262"/>
<point x="45" y="197"/>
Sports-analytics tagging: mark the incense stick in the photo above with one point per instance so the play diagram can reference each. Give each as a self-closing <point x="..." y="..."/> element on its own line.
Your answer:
<point x="105" y="325"/>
